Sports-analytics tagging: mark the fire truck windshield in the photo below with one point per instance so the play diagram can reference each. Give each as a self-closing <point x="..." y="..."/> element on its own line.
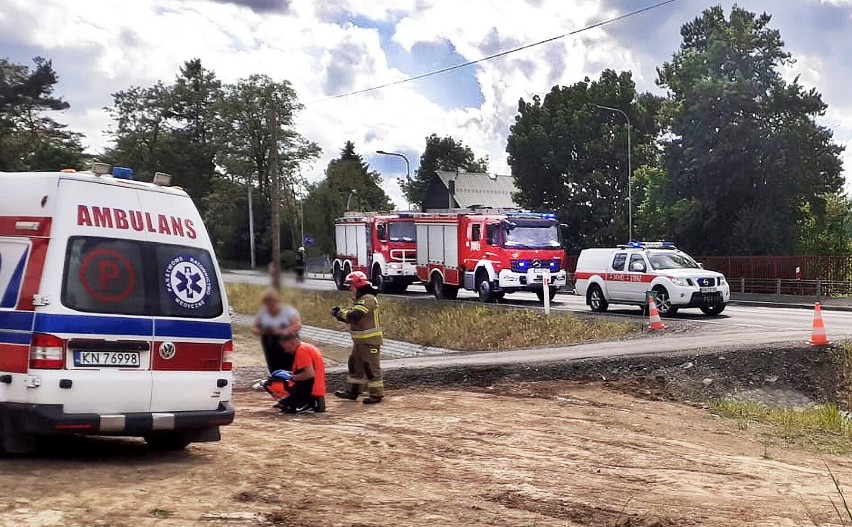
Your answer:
<point x="532" y="236"/>
<point x="403" y="231"/>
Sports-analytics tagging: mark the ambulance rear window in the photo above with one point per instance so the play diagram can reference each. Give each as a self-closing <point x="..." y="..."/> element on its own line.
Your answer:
<point x="127" y="277"/>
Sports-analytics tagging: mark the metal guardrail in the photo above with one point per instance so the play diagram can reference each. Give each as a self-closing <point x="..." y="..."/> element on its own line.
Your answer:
<point x="781" y="286"/>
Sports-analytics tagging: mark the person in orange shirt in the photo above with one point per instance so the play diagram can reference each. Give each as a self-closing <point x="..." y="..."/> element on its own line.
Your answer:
<point x="306" y="389"/>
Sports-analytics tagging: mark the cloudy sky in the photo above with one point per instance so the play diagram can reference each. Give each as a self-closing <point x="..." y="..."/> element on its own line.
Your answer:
<point x="328" y="47"/>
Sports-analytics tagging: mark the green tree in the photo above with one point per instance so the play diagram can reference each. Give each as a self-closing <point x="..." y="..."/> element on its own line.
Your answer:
<point x="215" y="140"/>
<point x="29" y="138"/>
<point x="245" y="112"/>
<point x="326" y="200"/>
<point x="170" y="128"/>
<point x="441" y="153"/>
<point x="569" y="156"/>
<point x="827" y="231"/>
<point x="746" y="159"/>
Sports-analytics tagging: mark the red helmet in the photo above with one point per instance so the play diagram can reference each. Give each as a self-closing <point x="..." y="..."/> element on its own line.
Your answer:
<point x="357" y="279"/>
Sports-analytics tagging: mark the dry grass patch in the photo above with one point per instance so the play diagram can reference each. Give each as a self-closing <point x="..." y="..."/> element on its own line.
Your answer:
<point x="821" y="427"/>
<point x="455" y="325"/>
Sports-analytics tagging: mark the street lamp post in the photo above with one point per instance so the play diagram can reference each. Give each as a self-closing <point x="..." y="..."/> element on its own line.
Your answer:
<point x="407" y="166"/>
<point x="629" y="169"/>
<point x="352" y="192"/>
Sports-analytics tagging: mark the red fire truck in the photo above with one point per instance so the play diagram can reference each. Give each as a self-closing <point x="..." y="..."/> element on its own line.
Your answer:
<point x="492" y="253"/>
<point x="382" y="245"/>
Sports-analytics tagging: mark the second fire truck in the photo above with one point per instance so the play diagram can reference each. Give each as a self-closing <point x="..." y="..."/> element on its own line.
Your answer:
<point x="382" y="245"/>
<point x="492" y="253"/>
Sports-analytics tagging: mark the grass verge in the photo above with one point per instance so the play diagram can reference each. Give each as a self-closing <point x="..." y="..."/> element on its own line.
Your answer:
<point x="824" y="426"/>
<point x="454" y="325"/>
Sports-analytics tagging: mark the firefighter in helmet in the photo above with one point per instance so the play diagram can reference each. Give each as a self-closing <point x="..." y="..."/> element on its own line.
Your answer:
<point x="363" y="320"/>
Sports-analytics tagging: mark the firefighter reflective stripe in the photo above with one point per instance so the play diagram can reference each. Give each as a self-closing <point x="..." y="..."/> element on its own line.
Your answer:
<point x="366" y="329"/>
<point x="376" y="321"/>
<point x="366" y="333"/>
<point x="353" y="380"/>
<point x="376" y="384"/>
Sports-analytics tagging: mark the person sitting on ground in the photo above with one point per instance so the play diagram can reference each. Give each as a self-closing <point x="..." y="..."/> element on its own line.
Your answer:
<point x="306" y="386"/>
<point x="275" y="320"/>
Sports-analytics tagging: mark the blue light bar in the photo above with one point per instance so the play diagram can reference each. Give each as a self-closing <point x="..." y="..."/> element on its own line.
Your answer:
<point x="122" y="173"/>
<point x="651" y="245"/>
<point x="542" y="215"/>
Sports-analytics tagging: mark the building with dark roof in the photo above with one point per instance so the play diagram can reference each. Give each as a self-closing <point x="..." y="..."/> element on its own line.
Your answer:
<point x="465" y="190"/>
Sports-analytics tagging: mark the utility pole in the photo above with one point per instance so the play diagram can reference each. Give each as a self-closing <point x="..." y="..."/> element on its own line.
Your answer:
<point x="629" y="169"/>
<point x="276" y="197"/>
<point x="251" y="228"/>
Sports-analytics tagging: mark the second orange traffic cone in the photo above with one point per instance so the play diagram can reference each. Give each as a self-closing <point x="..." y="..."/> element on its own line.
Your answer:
<point x="818" y="337"/>
<point x="656" y="323"/>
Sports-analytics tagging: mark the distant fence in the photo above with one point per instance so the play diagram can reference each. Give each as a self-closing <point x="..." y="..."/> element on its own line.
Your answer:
<point x="826" y="268"/>
<point x="818" y="275"/>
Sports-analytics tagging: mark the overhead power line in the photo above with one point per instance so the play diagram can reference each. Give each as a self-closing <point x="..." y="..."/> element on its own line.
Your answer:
<point x="501" y="53"/>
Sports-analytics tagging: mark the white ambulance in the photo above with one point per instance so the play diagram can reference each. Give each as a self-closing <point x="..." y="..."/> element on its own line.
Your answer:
<point x="625" y="274"/>
<point x="113" y="315"/>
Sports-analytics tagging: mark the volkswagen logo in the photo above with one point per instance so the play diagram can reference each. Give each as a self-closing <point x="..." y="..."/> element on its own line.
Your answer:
<point x="167" y="350"/>
<point x="536" y="263"/>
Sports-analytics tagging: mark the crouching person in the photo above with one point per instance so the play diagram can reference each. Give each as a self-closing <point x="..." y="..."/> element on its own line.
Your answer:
<point x="306" y="384"/>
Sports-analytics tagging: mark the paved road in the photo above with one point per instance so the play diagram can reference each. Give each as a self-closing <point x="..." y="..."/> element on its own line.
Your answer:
<point x="738" y="325"/>
<point x="736" y="318"/>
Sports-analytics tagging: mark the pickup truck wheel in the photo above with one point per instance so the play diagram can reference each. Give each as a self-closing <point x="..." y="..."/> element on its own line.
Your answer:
<point x="540" y="293"/>
<point x="713" y="309"/>
<point x="664" y="302"/>
<point x="596" y="299"/>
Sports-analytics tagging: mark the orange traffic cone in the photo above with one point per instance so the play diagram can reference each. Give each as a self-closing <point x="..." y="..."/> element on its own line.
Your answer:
<point x="818" y="337"/>
<point x="656" y="323"/>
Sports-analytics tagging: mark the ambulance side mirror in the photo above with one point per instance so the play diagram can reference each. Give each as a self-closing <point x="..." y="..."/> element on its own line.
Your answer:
<point x="700" y="265"/>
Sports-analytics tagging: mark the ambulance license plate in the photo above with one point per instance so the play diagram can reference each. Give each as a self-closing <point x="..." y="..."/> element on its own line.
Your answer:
<point x="708" y="289"/>
<point x="114" y="359"/>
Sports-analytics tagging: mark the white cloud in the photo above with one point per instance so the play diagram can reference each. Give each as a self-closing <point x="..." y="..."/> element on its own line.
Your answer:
<point x="808" y="68"/>
<point x="315" y="45"/>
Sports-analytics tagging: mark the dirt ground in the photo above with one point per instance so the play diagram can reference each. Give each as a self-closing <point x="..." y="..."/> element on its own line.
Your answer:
<point x="548" y="453"/>
<point x="487" y="453"/>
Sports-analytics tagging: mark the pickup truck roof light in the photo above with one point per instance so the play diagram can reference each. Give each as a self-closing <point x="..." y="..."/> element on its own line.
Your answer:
<point x="648" y="245"/>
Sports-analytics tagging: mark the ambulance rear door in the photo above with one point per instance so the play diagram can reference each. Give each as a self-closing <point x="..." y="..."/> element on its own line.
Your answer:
<point x="191" y="321"/>
<point x="98" y="293"/>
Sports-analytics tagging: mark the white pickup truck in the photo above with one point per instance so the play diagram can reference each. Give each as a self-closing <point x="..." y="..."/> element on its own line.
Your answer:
<point x="625" y="274"/>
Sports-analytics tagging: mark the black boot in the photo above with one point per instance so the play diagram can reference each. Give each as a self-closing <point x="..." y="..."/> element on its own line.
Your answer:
<point x="373" y="399"/>
<point x="345" y="394"/>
